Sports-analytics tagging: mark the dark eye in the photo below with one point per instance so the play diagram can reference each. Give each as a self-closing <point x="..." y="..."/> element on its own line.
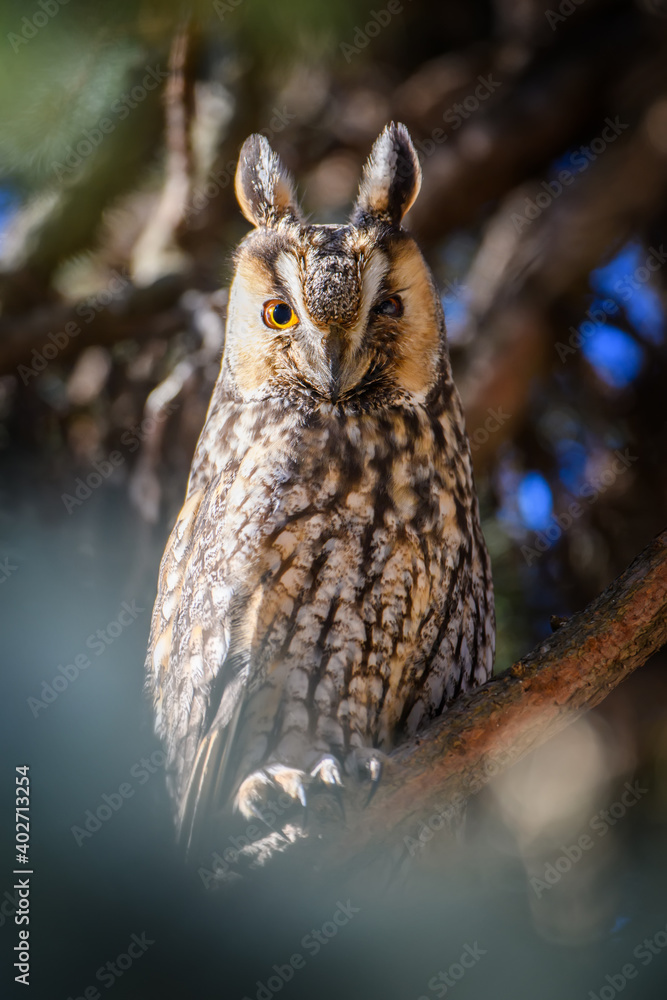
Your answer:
<point x="390" y="307"/>
<point x="279" y="315"/>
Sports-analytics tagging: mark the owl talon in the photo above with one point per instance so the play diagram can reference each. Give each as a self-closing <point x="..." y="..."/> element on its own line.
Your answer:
<point x="367" y="763"/>
<point x="327" y="771"/>
<point x="257" y="788"/>
<point x="290" y="780"/>
<point x="254" y="810"/>
<point x="374" y="768"/>
<point x="302" y="605"/>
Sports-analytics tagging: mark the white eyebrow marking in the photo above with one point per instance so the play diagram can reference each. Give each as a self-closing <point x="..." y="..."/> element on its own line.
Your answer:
<point x="373" y="273"/>
<point x="289" y="272"/>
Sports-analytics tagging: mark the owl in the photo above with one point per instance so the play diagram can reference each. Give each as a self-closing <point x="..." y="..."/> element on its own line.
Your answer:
<point x="326" y="590"/>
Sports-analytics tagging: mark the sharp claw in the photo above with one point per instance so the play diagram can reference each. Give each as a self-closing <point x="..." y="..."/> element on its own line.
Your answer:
<point x="328" y="772"/>
<point x="290" y="780"/>
<point x="366" y="763"/>
<point x="301" y="795"/>
<point x="257" y="812"/>
<point x="256" y="787"/>
<point x="295" y="783"/>
<point x="375" y="771"/>
<point x="250" y="794"/>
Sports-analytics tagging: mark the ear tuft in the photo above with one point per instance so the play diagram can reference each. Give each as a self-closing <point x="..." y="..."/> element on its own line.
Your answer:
<point x="264" y="189"/>
<point x="391" y="178"/>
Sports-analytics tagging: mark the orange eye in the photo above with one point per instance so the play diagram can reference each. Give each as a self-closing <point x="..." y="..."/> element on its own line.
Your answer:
<point x="390" y="307"/>
<point x="279" y="315"/>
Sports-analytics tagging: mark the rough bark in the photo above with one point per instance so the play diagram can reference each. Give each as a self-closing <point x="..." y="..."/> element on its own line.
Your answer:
<point x="492" y="728"/>
<point x="432" y="776"/>
<point x="489" y="730"/>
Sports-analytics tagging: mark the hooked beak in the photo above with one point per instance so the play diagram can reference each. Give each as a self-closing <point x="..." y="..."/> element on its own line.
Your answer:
<point x="334" y="372"/>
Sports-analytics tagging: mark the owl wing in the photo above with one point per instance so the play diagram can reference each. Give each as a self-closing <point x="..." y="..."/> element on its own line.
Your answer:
<point x="197" y="659"/>
<point x="206" y="783"/>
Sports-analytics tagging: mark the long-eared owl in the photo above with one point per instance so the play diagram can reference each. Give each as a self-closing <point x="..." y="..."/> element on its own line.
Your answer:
<point x="326" y="590"/>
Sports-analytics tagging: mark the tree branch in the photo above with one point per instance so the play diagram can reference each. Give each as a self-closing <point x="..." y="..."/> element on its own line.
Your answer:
<point x="483" y="733"/>
<point x="143" y="313"/>
<point x="498" y="724"/>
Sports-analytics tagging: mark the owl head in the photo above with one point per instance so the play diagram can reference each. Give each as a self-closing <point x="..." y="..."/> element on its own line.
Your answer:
<point x="342" y="316"/>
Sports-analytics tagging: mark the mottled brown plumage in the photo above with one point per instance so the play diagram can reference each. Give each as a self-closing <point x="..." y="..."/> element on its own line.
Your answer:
<point x="326" y="589"/>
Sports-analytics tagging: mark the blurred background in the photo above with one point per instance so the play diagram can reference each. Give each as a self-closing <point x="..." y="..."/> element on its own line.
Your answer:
<point x="542" y="132"/>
